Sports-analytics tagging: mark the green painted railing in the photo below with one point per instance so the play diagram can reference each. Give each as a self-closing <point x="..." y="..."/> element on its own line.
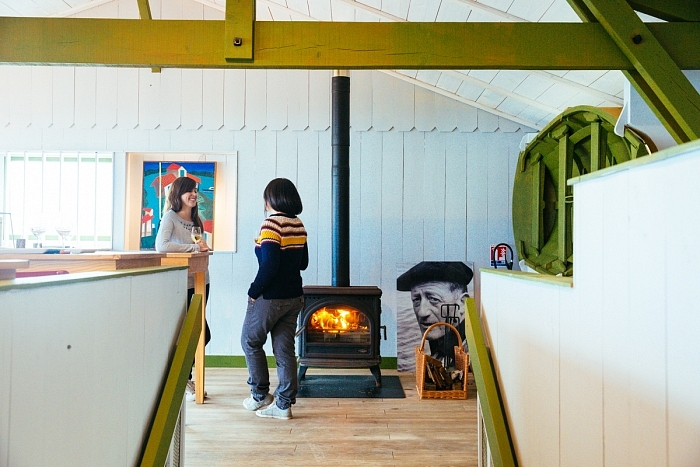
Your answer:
<point x="495" y="421"/>
<point x="160" y="435"/>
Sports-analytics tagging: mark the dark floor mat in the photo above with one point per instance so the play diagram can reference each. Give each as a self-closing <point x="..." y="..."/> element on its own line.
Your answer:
<point x="347" y="386"/>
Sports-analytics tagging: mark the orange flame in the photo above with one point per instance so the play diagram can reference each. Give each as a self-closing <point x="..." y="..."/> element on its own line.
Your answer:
<point x="337" y="319"/>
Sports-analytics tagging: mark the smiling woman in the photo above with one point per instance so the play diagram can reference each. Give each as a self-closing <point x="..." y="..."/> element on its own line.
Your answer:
<point x="48" y="191"/>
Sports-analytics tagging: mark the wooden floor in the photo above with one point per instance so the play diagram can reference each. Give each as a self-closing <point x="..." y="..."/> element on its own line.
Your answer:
<point x="329" y="432"/>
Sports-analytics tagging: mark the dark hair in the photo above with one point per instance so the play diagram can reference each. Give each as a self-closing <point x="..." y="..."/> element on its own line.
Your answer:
<point x="282" y="196"/>
<point x="180" y="186"/>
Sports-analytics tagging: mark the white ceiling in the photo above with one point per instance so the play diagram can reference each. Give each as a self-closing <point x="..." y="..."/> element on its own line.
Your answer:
<point x="532" y="98"/>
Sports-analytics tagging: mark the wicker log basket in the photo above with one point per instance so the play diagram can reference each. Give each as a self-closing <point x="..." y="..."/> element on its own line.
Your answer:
<point x="461" y="363"/>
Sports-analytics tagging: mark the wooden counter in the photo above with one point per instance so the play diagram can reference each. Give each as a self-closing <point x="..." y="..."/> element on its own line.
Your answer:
<point x="198" y="264"/>
<point x="9" y="267"/>
<point x="85" y="262"/>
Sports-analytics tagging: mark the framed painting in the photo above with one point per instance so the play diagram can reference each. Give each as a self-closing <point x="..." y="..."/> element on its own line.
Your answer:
<point x="158" y="177"/>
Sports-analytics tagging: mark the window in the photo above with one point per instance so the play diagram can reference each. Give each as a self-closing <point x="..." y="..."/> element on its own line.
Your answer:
<point x="59" y="190"/>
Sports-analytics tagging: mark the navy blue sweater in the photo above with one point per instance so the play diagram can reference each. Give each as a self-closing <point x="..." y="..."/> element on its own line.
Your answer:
<point x="282" y="254"/>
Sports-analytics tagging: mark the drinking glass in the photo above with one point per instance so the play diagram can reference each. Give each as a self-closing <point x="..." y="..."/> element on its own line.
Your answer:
<point x="196" y="234"/>
<point x="63" y="228"/>
<point x="38" y="231"/>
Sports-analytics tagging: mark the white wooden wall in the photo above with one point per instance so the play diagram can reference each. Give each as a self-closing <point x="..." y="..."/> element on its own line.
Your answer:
<point x="90" y="404"/>
<point x="606" y="373"/>
<point x="431" y="178"/>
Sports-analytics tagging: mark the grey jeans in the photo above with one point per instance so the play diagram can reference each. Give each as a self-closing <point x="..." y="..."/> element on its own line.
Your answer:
<point x="278" y="317"/>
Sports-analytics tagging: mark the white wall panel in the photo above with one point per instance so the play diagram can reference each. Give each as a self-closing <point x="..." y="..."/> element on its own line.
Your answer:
<point x="286" y="149"/>
<point x="256" y="99"/>
<point x="434" y="202"/>
<point x="404" y="105"/>
<point x="498" y="183"/>
<point x="106" y="99"/>
<point x="148" y="98"/>
<point x="307" y="185"/>
<point x="41" y="96"/>
<point x="63" y="96"/>
<point x="191" y="99"/>
<point x="383" y="102"/>
<point x="413" y="194"/>
<point x="127" y="98"/>
<point x="646" y="214"/>
<point x="5" y="76"/>
<point x="320" y="99"/>
<point x="85" y="97"/>
<point x="361" y="98"/>
<point x="447" y="118"/>
<point x="355" y="206"/>
<point x="680" y="221"/>
<point x="371" y="209"/>
<point x="477" y="201"/>
<point x="425" y="109"/>
<point x="192" y="10"/>
<point x="297" y="87"/>
<point x="234" y="99"/>
<point x="212" y="99"/>
<point x="170" y="101"/>
<point x="276" y="99"/>
<point x="486" y="122"/>
<point x="20" y="84"/>
<point x="455" y="197"/>
<point x="325" y="163"/>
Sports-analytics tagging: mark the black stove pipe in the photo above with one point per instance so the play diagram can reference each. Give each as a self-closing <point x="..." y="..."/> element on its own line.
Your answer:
<point x="340" y="136"/>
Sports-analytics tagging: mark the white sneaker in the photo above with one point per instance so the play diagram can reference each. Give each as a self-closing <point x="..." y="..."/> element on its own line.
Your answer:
<point x="251" y="404"/>
<point x="189" y="391"/>
<point x="273" y="411"/>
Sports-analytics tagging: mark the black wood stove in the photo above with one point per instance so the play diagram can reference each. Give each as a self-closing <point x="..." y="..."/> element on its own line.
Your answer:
<point x="339" y="326"/>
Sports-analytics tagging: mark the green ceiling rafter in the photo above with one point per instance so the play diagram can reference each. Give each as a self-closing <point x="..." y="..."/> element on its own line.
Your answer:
<point x="669" y="10"/>
<point x="330" y="45"/>
<point x="144" y="9"/>
<point x="239" y="32"/>
<point x="657" y="76"/>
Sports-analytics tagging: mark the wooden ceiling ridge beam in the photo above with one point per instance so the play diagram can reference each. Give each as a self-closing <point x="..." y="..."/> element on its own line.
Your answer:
<point x="326" y="45"/>
<point x="655" y="74"/>
<point x="457" y="97"/>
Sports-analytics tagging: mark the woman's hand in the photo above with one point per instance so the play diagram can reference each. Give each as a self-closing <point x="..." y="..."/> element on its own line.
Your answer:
<point x="203" y="246"/>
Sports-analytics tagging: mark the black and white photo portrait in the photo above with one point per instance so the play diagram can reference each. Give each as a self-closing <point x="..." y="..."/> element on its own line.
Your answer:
<point x="430" y="292"/>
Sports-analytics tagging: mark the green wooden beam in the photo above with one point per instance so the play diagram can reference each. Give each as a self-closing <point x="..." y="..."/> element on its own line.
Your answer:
<point x="144" y="9"/>
<point x="157" y="443"/>
<point x="657" y="74"/>
<point x="239" y="32"/>
<point x="495" y="420"/>
<point x="669" y="10"/>
<point x="327" y="45"/>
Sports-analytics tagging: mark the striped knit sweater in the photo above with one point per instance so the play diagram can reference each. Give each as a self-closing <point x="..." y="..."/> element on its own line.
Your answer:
<point x="282" y="253"/>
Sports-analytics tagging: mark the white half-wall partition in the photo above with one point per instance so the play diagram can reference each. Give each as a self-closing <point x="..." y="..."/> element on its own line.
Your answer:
<point x="605" y="373"/>
<point x="83" y="358"/>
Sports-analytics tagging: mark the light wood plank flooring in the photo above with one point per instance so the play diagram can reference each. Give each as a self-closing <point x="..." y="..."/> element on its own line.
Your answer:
<point x="329" y="432"/>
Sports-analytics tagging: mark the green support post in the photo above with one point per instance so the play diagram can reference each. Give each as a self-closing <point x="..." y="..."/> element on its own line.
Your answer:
<point x="239" y="32"/>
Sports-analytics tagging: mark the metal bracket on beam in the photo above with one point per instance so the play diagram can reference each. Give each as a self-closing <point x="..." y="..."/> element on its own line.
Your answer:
<point x="239" y="31"/>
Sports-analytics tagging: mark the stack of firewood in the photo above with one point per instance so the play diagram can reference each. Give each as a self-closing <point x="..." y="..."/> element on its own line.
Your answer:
<point x="439" y="378"/>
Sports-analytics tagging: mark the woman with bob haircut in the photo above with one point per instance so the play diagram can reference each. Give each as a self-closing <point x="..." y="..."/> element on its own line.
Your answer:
<point x="175" y="235"/>
<point x="275" y="299"/>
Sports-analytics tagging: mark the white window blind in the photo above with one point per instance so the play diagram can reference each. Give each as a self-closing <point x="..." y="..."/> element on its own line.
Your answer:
<point x="70" y="190"/>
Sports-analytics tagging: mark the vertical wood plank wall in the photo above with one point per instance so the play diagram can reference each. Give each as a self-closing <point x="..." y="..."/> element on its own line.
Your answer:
<point x="605" y="373"/>
<point x="438" y="191"/>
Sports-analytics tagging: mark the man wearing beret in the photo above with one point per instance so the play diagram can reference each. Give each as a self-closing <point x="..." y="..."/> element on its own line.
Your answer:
<point x="433" y="284"/>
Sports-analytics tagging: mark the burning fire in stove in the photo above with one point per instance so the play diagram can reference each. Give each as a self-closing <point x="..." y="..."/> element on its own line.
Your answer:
<point x="338" y="320"/>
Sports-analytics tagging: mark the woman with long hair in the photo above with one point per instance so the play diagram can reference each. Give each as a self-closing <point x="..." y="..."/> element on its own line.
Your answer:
<point x="275" y="299"/>
<point x="175" y="235"/>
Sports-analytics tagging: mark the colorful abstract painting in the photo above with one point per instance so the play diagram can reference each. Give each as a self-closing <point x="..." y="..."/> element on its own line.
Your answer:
<point x="157" y="179"/>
